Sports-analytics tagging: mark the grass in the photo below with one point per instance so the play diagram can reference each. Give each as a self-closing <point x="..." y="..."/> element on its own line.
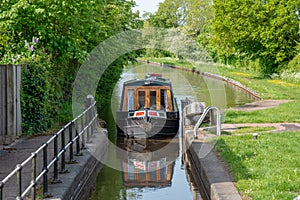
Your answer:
<point x="266" y="87"/>
<point x="266" y="168"/>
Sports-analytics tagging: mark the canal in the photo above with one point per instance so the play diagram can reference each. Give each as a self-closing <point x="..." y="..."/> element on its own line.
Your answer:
<point x="154" y="168"/>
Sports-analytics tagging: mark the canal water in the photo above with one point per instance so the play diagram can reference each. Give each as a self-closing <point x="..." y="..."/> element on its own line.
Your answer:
<point x="154" y="168"/>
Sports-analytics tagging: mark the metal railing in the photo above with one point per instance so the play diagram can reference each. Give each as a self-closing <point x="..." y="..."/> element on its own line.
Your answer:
<point x="209" y="110"/>
<point x="83" y="126"/>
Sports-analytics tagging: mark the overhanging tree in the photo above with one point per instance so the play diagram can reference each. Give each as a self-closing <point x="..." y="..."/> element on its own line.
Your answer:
<point x="66" y="32"/>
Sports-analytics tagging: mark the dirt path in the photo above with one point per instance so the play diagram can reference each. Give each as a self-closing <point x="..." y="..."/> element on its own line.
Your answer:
<point x="278" y="127"/>
<point x="260" y="105"/>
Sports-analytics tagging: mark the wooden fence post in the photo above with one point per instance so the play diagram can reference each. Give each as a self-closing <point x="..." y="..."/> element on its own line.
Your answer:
<point x="10" y="104"/>
<point x="2" y="102"/>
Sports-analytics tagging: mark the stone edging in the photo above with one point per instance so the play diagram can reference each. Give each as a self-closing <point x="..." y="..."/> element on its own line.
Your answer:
<point x="209" y="170"/>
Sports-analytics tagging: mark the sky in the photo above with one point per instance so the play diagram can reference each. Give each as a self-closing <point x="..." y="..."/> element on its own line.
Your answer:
<point x="147" y="5"/>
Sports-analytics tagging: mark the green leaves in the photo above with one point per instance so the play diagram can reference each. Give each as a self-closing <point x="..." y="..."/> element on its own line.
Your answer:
<point x="67" y="31"/>
<point x="37" y="100"/>
<point x="266" y="31"/>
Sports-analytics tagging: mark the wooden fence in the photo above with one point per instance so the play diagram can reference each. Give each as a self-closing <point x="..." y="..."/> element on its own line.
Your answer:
<point x="10" y="107"/>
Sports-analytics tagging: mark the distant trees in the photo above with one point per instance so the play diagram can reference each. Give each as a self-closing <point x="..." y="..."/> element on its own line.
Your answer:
<point x="191" y="16"/>
<point x="168" y="15"/>
<point x="238" y="31"/>
<point x="188" y="16"/>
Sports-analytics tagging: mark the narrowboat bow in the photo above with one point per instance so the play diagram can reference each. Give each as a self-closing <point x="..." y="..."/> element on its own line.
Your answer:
<point x="148" y="108"/>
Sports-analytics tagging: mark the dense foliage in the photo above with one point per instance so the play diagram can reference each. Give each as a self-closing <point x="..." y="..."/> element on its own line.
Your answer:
<point x="262" y="35"/>
<point x="54" y="37"/>
<point x="264" y="30"/>
<point x="38" y="110"/>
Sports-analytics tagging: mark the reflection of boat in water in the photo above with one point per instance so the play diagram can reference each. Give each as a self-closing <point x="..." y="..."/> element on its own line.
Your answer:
<point x="148" y="107"/>
<point x="147" y="162"/>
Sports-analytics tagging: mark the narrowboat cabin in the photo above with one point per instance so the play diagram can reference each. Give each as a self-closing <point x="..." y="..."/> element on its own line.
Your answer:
<point x="148" y="108"/>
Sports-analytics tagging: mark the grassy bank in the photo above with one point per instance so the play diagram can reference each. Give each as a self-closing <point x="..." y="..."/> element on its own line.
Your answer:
<point x="266" y="168"/>
<point x="267" y="88"/>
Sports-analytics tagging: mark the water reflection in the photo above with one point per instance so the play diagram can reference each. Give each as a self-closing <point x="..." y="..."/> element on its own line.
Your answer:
<point x="144" y="165"/>
<point x="149" y="171"/>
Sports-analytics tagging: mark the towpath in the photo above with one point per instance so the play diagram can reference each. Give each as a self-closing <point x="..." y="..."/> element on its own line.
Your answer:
<point x="260" y="105"/>
<point x="14" y="154"/>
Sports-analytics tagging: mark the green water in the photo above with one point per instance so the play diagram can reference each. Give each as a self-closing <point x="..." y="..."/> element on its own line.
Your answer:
<point x="111" y="180"/>
<point x="187" y="84"/>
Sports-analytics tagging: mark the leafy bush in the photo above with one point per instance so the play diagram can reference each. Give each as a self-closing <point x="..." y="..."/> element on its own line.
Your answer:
<point x="106" y="85"/>
<point x="53" y="41"/>
<point x="294" y="65"/>
<point x="37" y="99"/>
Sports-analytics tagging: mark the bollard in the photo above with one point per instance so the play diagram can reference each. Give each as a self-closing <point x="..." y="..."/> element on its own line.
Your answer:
<point x="255" y="136"/>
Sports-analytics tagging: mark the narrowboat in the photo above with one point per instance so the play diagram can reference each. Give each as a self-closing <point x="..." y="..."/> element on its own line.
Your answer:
<point x="147" y="162"/>
<point x="148" y="108"/>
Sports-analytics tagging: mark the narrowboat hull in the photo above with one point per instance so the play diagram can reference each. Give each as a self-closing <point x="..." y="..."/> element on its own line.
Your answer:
<point x="156" y="128"/>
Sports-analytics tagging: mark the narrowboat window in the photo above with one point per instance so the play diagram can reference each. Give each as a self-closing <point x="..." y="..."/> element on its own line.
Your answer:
<point x="141" y="175"/>
<point x="130" y="100"/>
<point x="164" y="100"/>
<point x="164" y="173"/>
<point x="153" y="99"/>
<point x="141" y="99"/>
<point x="153" y="175"/>
<point x="130" y="173"/>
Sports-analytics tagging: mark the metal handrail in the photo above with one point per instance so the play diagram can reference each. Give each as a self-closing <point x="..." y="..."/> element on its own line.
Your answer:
<point x="200" y="121"/>
<point x="89" y="115"/>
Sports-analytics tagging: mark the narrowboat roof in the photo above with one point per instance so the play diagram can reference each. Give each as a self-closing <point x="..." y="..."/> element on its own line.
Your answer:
<point x="150" y="80"/>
